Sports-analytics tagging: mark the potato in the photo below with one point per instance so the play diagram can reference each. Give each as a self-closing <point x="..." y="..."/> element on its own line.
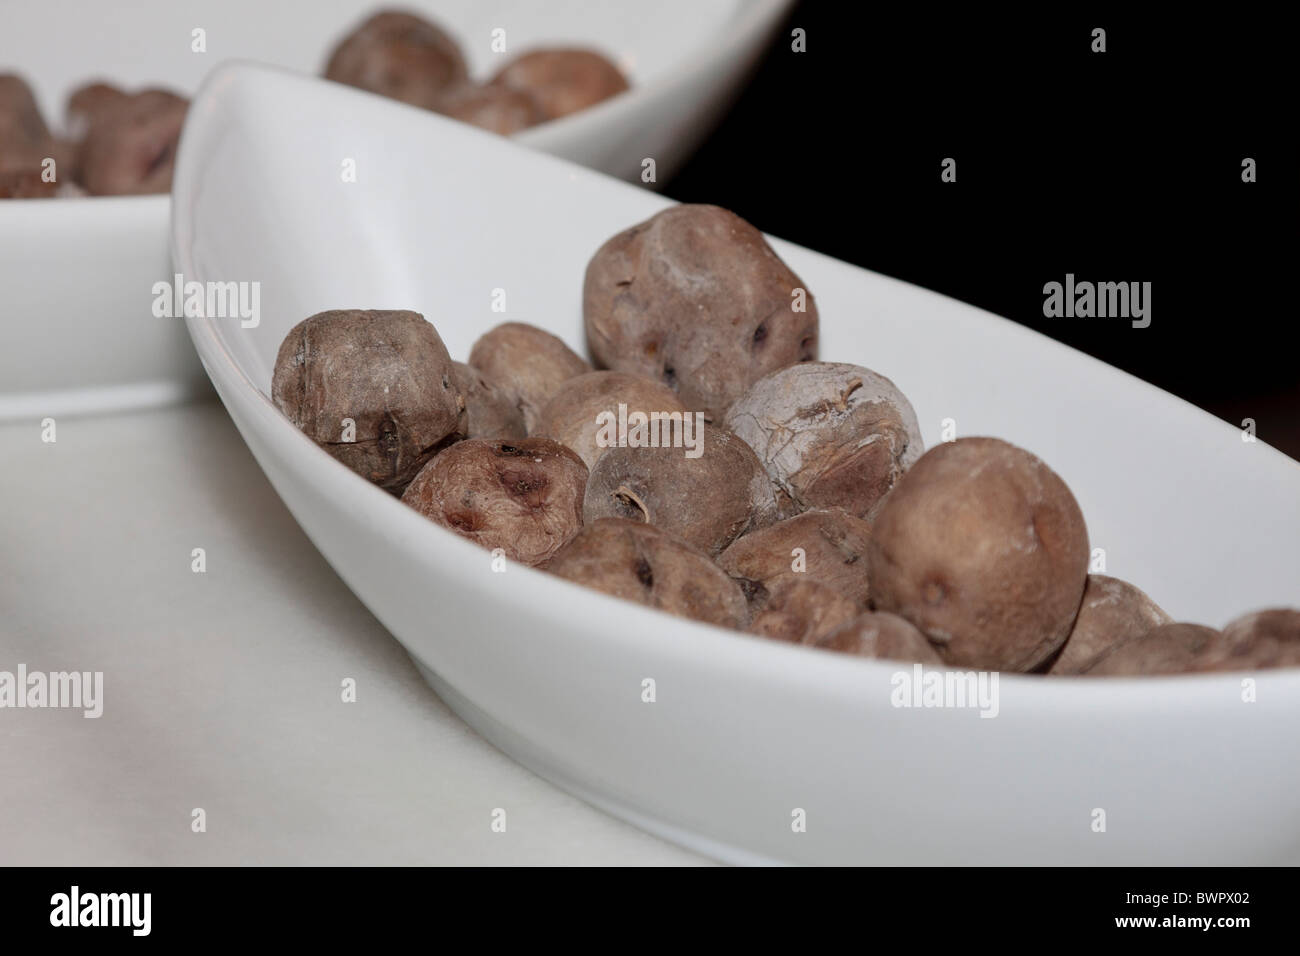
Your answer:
<point x="490" y="413"/>
<point x="882" y="635"/>
<point x="1167" y="649"/>
<point x="983" y="548"/>
<point x="130" y="149"/>
<point x="708" y="501"/>
<point x="576" y="413"/>
<point x="528" y="364"/>
<point x="803" y="611"/>
<point x="830" y="435"/>
<point x="401" y="56"/>
<point x="639" y="562"/>
<point x="25" y="140"/>
<point x="385" y="372"/>
<point x="1255" y="641"/>
<point x="562" y="81"/>
<point x="1112" y="612"/>
<point x="89" y="104"/>
<point x="694" y="297"/>
<point x="523" y="496"/>
<point x="826" y="546"/>
<point x="498" y="109"/>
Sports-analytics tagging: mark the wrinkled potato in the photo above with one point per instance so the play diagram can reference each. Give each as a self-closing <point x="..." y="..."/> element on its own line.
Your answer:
<point x="803" y="611"/>
<point x="577" y="413"/>
<point x="639" y="562"/>
<point x="523" y="496"/>
<point x="694" y="297"/>
<point x="830" y="435"/>
<point x="130" y="149"/>
<point x="708" y="501"/>
<point x="1167" y="649"/>
<point x="498" y="109"/>
<point x="386" y="372"/>
<point x="984" y="549"/>
<point x="528" y="364"/>
<point x="562" y="81"/>
<point x="879" y="634"/>
<point x="25" y="140"/>
<point x="827" y="546"/>
<point x="1112" y="612"/>
<point x="1255" y="641"/>
<point x="401" y="56"/>
<point x="488" y="409"/>
<point x="89" y="104"/>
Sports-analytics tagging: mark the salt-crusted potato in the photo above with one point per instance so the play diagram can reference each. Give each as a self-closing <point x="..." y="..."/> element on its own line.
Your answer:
<point x="708" y="500"/>
<point x="401" y="56"/>
<point x="984" y="549"/>
<point x="830" y="435"/>
<point x="1167" y="649"/>
<point x="826" y="546"/>
<point x="528" y="364"/>
<point x="639" y="562"/>
<point x="881" y="635"/>
<point x="1113" y="611"/>
<point x="562" y="81"/>
<point x="375" y="389"/>
<point x="523" y="496"/>
<point x="579" y="413"/>
<point x="694" y="297"/>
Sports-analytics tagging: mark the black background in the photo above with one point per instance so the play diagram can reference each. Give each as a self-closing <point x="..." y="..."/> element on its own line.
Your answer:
<point x="1115" y="166"/>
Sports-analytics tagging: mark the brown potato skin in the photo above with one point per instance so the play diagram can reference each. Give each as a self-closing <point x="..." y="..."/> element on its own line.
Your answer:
<point x="803" y="611"/>
<point x="1112" y="612"/>
<point x="570" y="416"/>
<point x="835" y="554"/>
<point x="639" y="562"/>
<point x="528" y="364"/>
<point x="562" y="81"/>
<point x="489" y="411"/>
<point x="707" y="501"/>
<point x="497" y="109"/>
<point x="1264" y="639"/>
<point x="831" y="435"/>
<point x="883" y="636"/>
<point x="386" y="370"/>
<point x="90" y="103"/>
<point x="1167" y="649"/>
<point x="401" y="56"/>
<point x="25" y="142"/>
<point x="130" y="149"/>
<point x="523" y="496"/>
<point x="984" y="549"/>
<point x="694" y="297"/>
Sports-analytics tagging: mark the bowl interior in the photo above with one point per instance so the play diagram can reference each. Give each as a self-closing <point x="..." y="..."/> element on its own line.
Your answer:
<point x="444" y="219"/>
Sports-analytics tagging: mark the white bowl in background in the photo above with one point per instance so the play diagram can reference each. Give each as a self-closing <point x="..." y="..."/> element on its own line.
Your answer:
<point x="745" y="732"/>
<point x="76" y="275"/>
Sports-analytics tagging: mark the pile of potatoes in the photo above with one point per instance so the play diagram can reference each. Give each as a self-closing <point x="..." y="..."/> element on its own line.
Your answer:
<point x="119" y="144"/>
<point x="115" y="143"/>
<point x="804" y="508"/>
<point x="406" y="57"/>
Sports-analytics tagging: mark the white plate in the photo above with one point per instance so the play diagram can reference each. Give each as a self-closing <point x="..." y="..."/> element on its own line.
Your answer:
<point x="76" y="275"/>
<point x="198" y="667"/>
<point x="746" y="731"/>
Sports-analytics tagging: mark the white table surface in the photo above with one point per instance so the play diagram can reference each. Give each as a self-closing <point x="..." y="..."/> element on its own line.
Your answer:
<point x="222" y="690"/>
